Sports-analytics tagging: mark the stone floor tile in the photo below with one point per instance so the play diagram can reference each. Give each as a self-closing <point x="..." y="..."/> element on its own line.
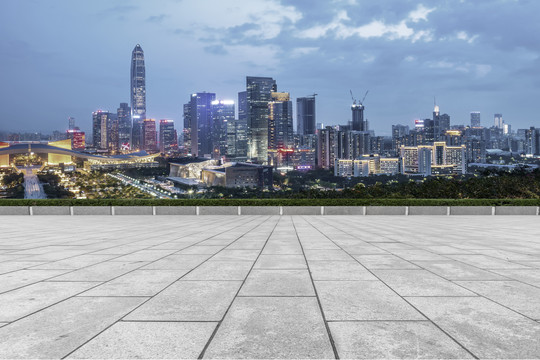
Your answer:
<point x="486" y="329"/>
<point x="272" y="327"/>
<point x="520" y="297"/>
<point x="363" y="300"/>
<point x="236" y="255"/>
<point x="26" y="300"/>
<point x="17" y="279"/>
<point x="278" y="283"/>
<point x="327" y="255"/>
<point x="220" y="270"/>
<point x="384" y="262"/>
<point x="100" y="272"/>
<point x="62" y="328"/>
<point x="137" y="283"/>
<point x="529" y="276"/>
<point x="455" y="270"/>
<point x="420" y="283"/>
<point x="178" y="262"/>
<point x="148" y="340"/>
<point x="281" y="262"/>
<point x="394" y="340"/>
<point x="339" y="270"/>
<point x="189" y="301"/>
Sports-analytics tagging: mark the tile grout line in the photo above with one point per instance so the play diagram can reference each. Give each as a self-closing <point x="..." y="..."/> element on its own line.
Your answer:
<point x="420" y="312"/>
<point x="328" y="332"/>
<point x="241" y="223"/>
<point x="201" y="355"/>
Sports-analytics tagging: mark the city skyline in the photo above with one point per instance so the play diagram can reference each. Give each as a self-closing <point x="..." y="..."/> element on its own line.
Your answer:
<point x="404" y="54"/>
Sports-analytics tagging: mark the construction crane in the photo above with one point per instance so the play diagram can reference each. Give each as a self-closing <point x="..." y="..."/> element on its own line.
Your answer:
<point x="362" y="102"/>
<point x="352" y="97"/>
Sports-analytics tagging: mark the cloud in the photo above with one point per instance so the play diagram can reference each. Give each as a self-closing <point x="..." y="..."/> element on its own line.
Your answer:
<point x="340" y="28"/>
<point x="421" y="13"/>
<point x="216" y="50"/>
<point x="301" y="51"/>
<point x="156" y="18"/>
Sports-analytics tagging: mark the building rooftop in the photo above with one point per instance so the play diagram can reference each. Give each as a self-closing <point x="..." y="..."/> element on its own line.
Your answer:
<point x="269" y="287"/>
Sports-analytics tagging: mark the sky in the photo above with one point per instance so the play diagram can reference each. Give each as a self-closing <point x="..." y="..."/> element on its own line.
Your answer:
<point x="65" y="58"/>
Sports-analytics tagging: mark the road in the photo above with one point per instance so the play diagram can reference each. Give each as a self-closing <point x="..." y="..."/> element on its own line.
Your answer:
<point x="32" y="188"/>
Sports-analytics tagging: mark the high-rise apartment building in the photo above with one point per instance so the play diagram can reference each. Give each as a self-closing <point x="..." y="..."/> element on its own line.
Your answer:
<point x="113" y="143"/>
<point x="123" y="114"/>
<point x="326" y="148"/>
<point x="475" y="118"/>
<point x="258" y="95"/>
<point x="138" y="95"/>
<point x="280" y="121"/>
<point x="71" y="123"/>
<point x="167" y="136"/>
<point x="305" y="115"/>
<point x="149" y="135"/>
<point x="436" y="159"/>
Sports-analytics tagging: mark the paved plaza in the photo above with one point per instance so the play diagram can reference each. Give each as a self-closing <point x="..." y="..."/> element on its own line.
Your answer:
<point x="270" y="287"/>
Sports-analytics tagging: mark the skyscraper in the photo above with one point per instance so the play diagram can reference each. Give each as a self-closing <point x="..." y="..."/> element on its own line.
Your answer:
<point x="113" y="143"/>
<point x="258" y="91"/>
<point x="498" y="121"/>
<point x="71" y="123"/>
<point x="305" y="115"/>
<point x="280" y="122"/>
<point x="200" y="121"/>
<point x="241" y="128"/>
<point x="138" y="94"/>
<point x="124" y="126"/>
<point x="100" y="126"/>
<point x="167" y="136"/>
<point x="358" y="122"/>
<point x="475" y="118"/>
<point x="149" y="135"/>
<point x="223" y="127"/>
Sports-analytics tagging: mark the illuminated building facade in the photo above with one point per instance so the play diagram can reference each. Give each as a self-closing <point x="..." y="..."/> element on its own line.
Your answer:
<point x="367" y="165"/>
<point x="258" y="95"/>
<point x="112" y="134"/>
<point x="498" y="121"/>
<point x="54" y="158"/>
<point x="200" y="121"/>
<point x="4" y="159"/>
<point x="138" y="96"/>
<point x="436" y="159"/>
<point x="241" y="143"/>
<point x="123" y="114"/>
<point x="223" y="127"/>
<point x="149" y="135"/>
<point x="326" y="148"/>
<point x="77" y="137"/>
<point x="280" y="121"/>
<point x="100" y="128"/>
<point x="238" y="175"/>
<point x="167" y="136"/>
<point x="305" y="115"/>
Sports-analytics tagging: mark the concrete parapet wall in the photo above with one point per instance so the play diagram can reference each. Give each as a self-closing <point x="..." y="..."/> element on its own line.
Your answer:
<point x="217" y="210"/>
<point x="132" y="210"/>
<point x="92" y="210"/>
<point x="386" y="210"/>
<point x="176" y="210"/>
<point x="428" y="210"/>
<point x="259" y="210"/>
<point x="14" y="210"/>
<point x="50" y="210"/>
<point x="516" y="210"/>
<point x="301" y="210"/>
<point x="471" y="210"/>
<point x="344" y="210"/>
<point x="270" y="210"/>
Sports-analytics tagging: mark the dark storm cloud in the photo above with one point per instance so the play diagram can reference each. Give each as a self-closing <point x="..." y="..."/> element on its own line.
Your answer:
<point x="473" y="55"/>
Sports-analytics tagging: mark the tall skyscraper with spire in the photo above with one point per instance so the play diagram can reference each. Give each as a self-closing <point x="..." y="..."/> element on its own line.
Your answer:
<point x="138" y="95"/>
